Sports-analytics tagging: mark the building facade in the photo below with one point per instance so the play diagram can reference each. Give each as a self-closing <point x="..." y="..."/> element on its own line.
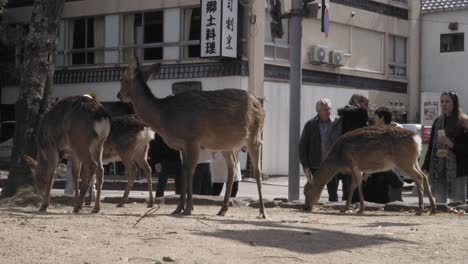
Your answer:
<point x="369" y="50"/>
<point x="444" y="54"/>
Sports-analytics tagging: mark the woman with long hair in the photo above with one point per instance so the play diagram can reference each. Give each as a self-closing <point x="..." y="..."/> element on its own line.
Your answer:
<point x="447" y="155"/>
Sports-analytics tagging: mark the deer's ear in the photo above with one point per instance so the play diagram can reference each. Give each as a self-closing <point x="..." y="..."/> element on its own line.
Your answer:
<point x="152" y="70"/>
<point x="30" y="162"/>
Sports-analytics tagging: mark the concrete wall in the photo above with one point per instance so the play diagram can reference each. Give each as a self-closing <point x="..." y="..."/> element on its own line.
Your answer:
<point x="444" y="71"/>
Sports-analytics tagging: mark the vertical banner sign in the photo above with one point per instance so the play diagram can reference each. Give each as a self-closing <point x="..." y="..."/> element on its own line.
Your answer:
<point x="210" y="28"/>
<point x="325" y="17"/>
<point x="229" y="29"/>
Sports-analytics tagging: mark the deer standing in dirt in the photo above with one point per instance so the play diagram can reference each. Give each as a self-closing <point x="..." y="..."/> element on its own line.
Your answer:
<point x="76" y="127"/>
<point x="128" y="142"/>
<point x="222" y="120"/>
<point x="369" y="150"/>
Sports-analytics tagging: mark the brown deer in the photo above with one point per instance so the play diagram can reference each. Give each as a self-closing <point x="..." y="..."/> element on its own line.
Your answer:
<point x="368" y="150"/>
<point x="222" y="120"/>
<point x="128" y="142"/>
<point x="75" y="127"/>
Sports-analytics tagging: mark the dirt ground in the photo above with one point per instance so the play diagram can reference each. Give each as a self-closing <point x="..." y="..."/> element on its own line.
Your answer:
<point x="288" y="236"/>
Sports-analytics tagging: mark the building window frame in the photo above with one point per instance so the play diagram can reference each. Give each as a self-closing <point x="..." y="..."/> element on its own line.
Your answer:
<point x="397" y="68"/>
<point x="274" y="46"/>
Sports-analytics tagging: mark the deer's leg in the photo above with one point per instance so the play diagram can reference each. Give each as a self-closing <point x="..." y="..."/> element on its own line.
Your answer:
<point x="89" y="197"/>
<point x="427" y="188"/>
<point x="131" y="171"/>
<point x="52" y="163"/>
<point x="418" y="178"/>
<point x="76" y="168"/>
<point x="147" y="170"/>
<point x="190" y="162"/>
<point x="231" y="160"/>
<point x="352" y="187"/>
<point x="99" y="177"/>
<point x="358" y="181"/>
<point x="254" y="152"/>
<point x="88" y="168"/>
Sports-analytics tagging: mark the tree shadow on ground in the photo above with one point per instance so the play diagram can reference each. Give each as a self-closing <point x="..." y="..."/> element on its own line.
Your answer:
<point x="299" y="239"/>
<point x="388" y="224"/>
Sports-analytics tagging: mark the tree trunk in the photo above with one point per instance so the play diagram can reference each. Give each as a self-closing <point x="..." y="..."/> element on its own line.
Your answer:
<point x="38" y="68"/>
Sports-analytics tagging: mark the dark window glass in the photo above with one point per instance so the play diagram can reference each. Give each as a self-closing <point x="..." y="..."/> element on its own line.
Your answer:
<point x="452" y="42"/>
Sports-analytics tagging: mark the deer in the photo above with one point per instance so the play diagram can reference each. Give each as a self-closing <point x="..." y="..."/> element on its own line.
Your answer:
<point x="128" y="142"/>
<point x="76" y="127"/>
<point x="369" y="150"/>
<point x="222" y="120"/>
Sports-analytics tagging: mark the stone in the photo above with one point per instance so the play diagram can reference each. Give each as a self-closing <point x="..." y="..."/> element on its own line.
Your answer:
<point x="266" y="203"/>
<point x="293" y="205"/>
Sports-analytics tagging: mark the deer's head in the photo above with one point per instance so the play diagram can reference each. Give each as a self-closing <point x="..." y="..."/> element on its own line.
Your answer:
<point x="312" y="193"/>
<point x="135" y="78"/>
<point x="39" y="173"/>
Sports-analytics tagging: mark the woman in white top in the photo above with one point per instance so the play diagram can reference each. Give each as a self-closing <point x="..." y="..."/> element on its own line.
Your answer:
<point x="219" y="175"/>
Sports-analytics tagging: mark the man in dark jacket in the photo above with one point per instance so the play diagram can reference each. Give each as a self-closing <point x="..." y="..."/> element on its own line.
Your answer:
<point x="166" y="163"/>
<point x="312" y="147"/>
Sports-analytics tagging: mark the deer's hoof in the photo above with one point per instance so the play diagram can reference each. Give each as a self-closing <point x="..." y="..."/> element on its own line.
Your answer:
<point x="433" y="212"/>
<point x="76" y="210"/>
<point x="43" y="208"/>
<point x="95" y="210"/>
<point x="177" y="211"/>
<point x="262" y="215"/>
<point x="360" y="212"/>
<point x="150" y="205"/>
<point x="120" y="205"/>
<point x="222" y="212"/>
<point x="419" y="212"/>
<point x="188" y="211"/>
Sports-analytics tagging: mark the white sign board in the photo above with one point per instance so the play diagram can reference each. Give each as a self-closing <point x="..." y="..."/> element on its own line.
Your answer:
<point x="210" y="28"/>
<point x="229" y="29"/>
<point x="430" y="107"/>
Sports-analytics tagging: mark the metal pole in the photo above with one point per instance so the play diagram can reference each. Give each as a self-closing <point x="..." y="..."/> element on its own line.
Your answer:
<point x="295" y="29"/>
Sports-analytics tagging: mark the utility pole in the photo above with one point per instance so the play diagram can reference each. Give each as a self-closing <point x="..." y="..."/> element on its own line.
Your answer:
<point x="295" y="81"/>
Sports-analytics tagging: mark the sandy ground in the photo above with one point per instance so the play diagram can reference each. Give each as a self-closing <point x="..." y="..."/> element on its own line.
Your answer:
<point x="288" y="236"/>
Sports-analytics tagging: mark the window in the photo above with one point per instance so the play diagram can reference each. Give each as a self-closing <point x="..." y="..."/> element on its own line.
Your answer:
<point x="143" y="28"/>
<point x="85" y="36"/>
<point x="397" y="56"/>
<point x="191" y="32"/>
<point x="276" y="48"/>
<point x="452" y="42"/>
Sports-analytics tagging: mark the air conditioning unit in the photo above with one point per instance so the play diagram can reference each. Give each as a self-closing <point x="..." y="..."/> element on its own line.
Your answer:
<point x="318" y="54"/>
<point x="337" y="58"/>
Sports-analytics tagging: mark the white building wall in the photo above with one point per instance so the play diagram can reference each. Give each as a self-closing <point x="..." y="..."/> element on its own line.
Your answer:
<point x="444" y="71"/>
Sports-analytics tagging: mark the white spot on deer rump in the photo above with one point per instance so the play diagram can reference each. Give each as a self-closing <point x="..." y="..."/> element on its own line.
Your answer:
<point x="102" y="129"/>
<point x="147" y="134"/>
<point x="417" y="139"/>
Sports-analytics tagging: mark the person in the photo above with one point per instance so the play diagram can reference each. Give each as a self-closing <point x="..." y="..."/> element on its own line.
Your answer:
<point x="312" y="147"/>
<point x="446" y="159"/>
<point x="352" y="116"/>
<point x="387" y="186"/>
<point x="219" y="175"/>
<point x="202" y="184"/>
<point x="166" y="163"/>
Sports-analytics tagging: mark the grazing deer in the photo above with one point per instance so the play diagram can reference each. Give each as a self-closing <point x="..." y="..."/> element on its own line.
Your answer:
<point x="368" y="150"/>
<point x="128" y="142"/>
<point x="222" y="120"/>
<point x="75" y="127"/>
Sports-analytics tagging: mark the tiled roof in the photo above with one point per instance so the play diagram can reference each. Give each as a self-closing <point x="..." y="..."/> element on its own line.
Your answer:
<point x="443" y="5"/>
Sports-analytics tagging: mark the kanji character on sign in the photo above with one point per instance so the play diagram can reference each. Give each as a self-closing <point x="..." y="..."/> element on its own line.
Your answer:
<point x="211" y="21"/>
<point x="210" y="48"/>
<point x="230" y="24"/>
<point x="211" y="6"/>
<point x="229" y="40"/>
<point x="210" y="34"/>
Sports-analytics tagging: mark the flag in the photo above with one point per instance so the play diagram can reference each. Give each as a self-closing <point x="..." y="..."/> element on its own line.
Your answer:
<point x="325" y="17"/>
